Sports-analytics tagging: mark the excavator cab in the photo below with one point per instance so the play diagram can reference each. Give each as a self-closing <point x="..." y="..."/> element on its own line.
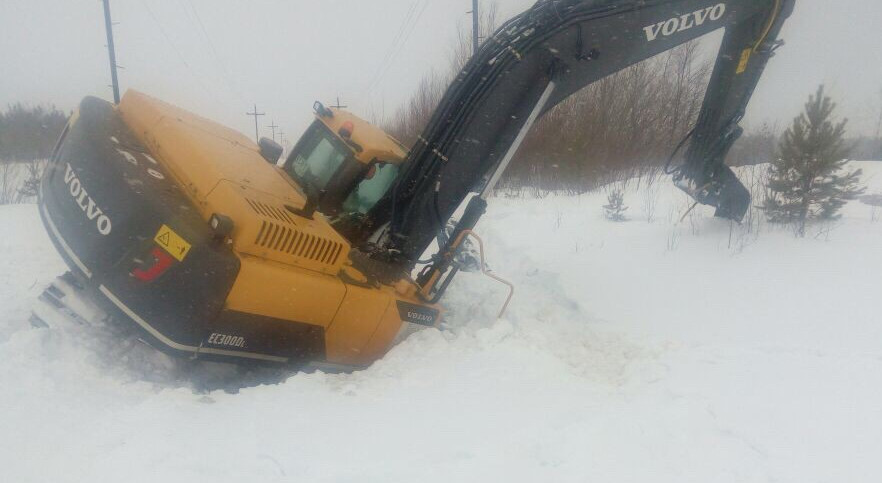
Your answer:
<point x="344" y="165"/>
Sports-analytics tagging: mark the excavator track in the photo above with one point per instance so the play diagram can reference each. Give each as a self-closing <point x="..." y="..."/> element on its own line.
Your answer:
<point x="65" y="302"/>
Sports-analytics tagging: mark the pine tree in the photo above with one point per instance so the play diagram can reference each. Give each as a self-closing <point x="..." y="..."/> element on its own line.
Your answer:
<point x="808" y="180"/>
<point x="615" y="208"/>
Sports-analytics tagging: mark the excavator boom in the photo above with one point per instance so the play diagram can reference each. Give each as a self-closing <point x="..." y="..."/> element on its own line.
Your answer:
<point x="543" y="56"/>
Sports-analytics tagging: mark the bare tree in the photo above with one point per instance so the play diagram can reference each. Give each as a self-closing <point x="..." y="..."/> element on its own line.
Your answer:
<point x="621" y="126"/>
<point x="757" y="146"/>
<point x="30" y="185"/>
<point x="10" y="183"/>
<point x="624" y="125"/>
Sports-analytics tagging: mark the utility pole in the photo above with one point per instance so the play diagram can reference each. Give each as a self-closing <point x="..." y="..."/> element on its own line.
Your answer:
<point x="476" y="28"/>
<point x="878" y="137"/>
<point x="273" y="127"/>
<point x="108" y="25"/>
<point x="256" y="129"/>
<point x="284" y="142"/>
<point x="879" y="124"/>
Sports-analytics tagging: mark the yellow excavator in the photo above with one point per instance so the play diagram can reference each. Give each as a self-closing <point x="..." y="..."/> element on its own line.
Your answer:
<point x="213" y="247"/>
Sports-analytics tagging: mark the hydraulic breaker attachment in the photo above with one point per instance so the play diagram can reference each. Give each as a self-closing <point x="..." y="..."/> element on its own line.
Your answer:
<point x="723" y="190"/>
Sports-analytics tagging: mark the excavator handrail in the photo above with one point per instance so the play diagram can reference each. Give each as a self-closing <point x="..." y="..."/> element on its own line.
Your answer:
<point x="432" y="293"/>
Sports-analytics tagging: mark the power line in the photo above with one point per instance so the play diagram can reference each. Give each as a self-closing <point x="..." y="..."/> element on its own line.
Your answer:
<point x="227" y="77"/>
<point x="178" y="52"/>
<point x="392" y="46"/>
<point x="410" y="32"/>
<point x="202" y="29"/>
<point x="404" y="34"/>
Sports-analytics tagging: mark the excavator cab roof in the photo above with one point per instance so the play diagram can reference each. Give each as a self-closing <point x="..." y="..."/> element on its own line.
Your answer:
<point x="369" y="143"/>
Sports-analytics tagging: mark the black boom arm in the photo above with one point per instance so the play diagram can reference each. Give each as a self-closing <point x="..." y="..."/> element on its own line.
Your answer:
<point x="546" y="54"/>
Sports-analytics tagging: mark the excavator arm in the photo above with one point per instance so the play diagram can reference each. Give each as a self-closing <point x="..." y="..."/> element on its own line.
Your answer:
<point x="540" y="58"/>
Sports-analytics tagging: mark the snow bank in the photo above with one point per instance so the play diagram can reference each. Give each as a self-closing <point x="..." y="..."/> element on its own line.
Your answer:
<point x="658" y="351"/>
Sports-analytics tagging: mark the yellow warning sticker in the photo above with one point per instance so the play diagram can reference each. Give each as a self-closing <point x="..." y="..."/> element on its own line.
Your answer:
<point x="745" y="58"/>
<point x="172" y="243"/>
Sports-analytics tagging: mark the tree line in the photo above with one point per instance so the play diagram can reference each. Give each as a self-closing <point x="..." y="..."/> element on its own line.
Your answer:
<point x="614" y="126"/>
<point x="27" y="136"/>
<point x="29" y="133"/>
<point x="621" y="126"/>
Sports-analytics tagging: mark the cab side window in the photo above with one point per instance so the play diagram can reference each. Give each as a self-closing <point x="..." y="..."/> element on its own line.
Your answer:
<point x="370" y="191"/>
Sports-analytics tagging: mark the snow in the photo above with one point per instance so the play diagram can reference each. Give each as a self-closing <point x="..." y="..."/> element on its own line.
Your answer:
<point x="660" y="351"/>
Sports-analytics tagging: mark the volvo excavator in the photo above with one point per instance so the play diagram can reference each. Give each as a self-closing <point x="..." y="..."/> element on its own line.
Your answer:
<point x="213" y="247"/>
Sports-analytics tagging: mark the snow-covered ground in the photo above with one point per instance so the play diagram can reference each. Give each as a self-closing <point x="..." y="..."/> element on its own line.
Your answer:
<point x="662" y="351"/>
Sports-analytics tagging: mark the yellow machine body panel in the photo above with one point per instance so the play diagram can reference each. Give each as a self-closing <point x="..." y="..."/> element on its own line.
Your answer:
<point x="387" y="330"/>
<point x="271" y="289"/>
<point x="355" y="324"/>
<point x="200" y="153"/>
<point x="375" y="143"/>
<point x="224" y="173"/>
<point x="290" y="265"/>
<point x="359" y="323"/>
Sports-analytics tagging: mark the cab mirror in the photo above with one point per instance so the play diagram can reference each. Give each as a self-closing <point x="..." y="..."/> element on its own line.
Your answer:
<point x="313" y="200"/>
<point x="270" y="150"/>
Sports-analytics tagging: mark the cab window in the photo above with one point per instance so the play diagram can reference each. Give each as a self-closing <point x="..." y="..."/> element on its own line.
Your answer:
<point x="320" y="156"/>
<point x="370" y="191"/>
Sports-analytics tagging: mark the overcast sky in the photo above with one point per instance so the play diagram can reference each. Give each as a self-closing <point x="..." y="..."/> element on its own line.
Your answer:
<point x="219" y="57"/>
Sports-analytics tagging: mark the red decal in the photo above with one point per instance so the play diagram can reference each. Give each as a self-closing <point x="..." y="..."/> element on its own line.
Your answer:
<point x="161" y="262"/>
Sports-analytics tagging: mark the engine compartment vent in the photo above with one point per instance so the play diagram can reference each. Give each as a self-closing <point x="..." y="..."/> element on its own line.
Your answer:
<point x="264" y="228"/>
<point x="270" y="211"/>
<point x="293" y="242"/>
